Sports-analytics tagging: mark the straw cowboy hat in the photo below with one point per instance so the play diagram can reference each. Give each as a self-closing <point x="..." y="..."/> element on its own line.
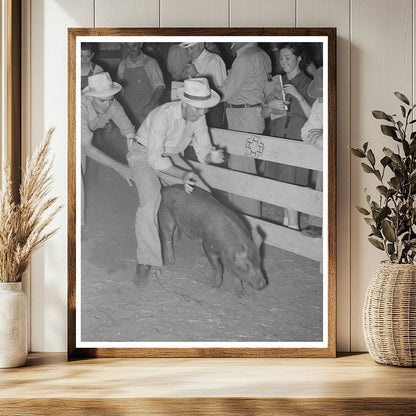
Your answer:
<point x="196" y="92"/>
<point x="315" y="89"/>
<point x="101" y="85"/>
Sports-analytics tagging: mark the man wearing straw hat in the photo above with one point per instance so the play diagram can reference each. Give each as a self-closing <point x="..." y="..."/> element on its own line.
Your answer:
<point x="98" y="107"/>
<point x="154" y="159"/>
<point x="211" y="66"/>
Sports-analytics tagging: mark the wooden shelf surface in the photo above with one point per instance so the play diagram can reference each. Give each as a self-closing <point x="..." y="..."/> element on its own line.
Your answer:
<point x="127" y="386"/>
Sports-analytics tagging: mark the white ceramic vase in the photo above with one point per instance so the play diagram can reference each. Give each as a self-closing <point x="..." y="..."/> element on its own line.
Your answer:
<point x="13" y="325"/>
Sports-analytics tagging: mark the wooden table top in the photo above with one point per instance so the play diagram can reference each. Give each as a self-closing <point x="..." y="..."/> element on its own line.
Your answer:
<point x="50" y="381"/>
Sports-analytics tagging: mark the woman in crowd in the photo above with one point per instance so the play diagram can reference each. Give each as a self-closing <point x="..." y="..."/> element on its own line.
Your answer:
<point x="296" y="109"/>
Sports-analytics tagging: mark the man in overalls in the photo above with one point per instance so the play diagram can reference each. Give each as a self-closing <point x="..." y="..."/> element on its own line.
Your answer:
<point x="154" y="157"/>
<point x="143" y="83"/>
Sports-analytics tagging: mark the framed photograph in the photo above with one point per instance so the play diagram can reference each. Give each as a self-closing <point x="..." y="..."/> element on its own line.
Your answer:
<point x="202" y="192"/>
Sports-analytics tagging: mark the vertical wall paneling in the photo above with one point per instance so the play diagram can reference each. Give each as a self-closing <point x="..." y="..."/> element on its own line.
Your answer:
<point x="25" y="143"/>
<point x="335" y="13"/>
<point x="2" y="92"/>
<point x="10" y="88"/>
<point x="48" y="68"/>
<point x="262" y="13"/>
<point x="381" y="63"/>
<point x="376" y="56"/>
<point x="414" y="53"/>
<point x="127" y="13"/>
<point x="194" y="13"/>
<point x="12" y="103"/>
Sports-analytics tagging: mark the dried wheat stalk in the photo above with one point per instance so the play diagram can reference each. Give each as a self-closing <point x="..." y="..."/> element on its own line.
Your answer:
<point x="23" y="226"/>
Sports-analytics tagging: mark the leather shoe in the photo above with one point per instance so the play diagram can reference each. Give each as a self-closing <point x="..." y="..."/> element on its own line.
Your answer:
<point x="141" y="277"/>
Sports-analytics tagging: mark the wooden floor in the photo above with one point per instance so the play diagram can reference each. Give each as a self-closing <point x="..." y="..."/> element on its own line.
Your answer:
<point x="350" y="384"/>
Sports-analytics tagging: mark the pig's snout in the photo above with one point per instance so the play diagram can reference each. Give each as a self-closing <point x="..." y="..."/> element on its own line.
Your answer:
<point x="257" y="281"/>
<point x="260" y="282"/>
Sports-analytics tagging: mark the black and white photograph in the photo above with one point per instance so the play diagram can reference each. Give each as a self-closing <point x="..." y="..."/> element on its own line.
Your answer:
<point x="203" y="192"/>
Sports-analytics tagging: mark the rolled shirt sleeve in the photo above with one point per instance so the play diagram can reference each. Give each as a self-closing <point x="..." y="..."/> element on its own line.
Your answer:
<point x="119" y="116"/>
<point x="120" y="70"/>
<point x="154" y="73"/>
<point x="211" y="66"/>
<point x="315" y="121"/>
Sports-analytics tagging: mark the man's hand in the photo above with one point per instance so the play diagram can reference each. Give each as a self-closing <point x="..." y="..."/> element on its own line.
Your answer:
<point x="315" y="134"/>
<point x="315" y="137"/>
<point x="293" y="91"/>
<point x="189" y="180"/>
<point x="216" y="156"/>
<point x="278" y="106"/>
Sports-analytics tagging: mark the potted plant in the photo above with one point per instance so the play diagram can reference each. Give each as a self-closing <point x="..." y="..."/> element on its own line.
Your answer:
<point x="23" y="229"/>
<point x="390" y="305"/>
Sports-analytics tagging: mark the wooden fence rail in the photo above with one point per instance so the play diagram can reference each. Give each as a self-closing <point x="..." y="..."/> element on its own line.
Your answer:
<point x="289" y="152"/>
<point x="299" y="198"/>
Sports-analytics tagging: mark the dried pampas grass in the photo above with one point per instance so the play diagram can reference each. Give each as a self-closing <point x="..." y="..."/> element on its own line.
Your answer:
<point x="23" y="225"/>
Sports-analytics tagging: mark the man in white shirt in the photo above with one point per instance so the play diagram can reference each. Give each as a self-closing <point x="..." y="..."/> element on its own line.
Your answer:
<point x="312" y="132"/>
<point x="211" y="66"/>
<point x="154" y="157"/>
<point x="243" y="93"/>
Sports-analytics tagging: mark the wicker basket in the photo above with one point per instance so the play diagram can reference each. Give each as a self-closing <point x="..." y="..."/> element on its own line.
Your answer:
<point x="390" y="315"/>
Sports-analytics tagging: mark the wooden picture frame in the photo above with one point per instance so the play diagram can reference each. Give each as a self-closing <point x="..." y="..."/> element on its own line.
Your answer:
<point x="100" y="281"/>
<point x="11" y="148"/>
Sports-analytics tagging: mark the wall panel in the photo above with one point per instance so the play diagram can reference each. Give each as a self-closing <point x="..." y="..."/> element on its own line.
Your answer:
<point x="335" y="13"/>
<point x="376" y="56"/>
<point x="381" y="63"/>
<point x="48" y="77"/>
<point x="128" y="13"/>
<point x="26" y="113"/>
<point x="265" y="13"/>
<point x="193" y="13"/>
<point x="414" y="53"/>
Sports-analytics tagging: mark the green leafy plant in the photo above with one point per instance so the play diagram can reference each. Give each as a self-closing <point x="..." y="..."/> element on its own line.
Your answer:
<point x="391" y="216"/>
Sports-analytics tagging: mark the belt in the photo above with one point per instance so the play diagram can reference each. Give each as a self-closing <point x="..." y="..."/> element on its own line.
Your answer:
<point x="229" y="105"/>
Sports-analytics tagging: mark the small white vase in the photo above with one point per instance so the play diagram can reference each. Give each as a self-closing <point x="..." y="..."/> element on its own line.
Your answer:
<point x="13" y="325"/>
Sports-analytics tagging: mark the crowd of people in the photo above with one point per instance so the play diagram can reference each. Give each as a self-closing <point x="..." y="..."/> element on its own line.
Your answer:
<point x="140" y="119"/>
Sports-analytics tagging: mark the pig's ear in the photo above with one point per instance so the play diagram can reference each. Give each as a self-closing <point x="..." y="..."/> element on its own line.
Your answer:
<point x="257" y="238"/>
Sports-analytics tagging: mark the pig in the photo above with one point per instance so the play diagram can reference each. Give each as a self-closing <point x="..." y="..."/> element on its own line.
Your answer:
<point x="226" y="240"/>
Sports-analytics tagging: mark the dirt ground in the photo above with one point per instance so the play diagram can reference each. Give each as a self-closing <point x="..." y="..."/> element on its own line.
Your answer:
<point x="179" y="304"/>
